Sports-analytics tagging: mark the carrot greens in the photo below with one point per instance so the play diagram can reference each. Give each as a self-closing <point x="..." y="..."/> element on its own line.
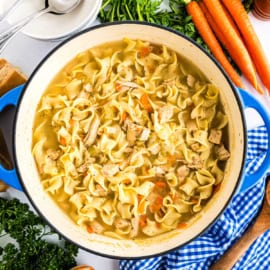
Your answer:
<point x="172" y="15"/>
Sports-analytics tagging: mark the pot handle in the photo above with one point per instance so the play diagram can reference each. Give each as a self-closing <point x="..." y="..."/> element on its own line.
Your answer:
<point x="10" y="177"/>
<point x="12" y="97"/>
<point x="250" y="179"/>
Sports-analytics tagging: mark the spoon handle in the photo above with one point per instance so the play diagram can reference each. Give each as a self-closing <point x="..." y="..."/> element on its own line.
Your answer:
<point x="228" y="260"/>
<point x="261" y="224"/>
<point x="9" y="33"/>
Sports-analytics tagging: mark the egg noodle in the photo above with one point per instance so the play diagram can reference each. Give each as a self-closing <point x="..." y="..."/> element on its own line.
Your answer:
<point x="130" y="139"/>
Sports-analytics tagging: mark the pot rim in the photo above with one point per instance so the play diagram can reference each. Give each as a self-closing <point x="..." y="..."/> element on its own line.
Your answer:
<point x="234" y="91"/>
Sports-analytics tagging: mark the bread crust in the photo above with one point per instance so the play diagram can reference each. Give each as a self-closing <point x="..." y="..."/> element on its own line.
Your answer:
<point x="10" y="76"/>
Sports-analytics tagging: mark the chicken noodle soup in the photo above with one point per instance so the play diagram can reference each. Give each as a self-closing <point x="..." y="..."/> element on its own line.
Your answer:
<point x="130" y="140"/>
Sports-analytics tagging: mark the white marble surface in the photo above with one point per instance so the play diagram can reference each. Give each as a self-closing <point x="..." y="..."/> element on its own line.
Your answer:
<point x="26" y="53"/>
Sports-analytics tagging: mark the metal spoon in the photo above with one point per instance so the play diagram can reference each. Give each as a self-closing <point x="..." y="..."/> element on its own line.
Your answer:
<point x="58" y="7"/>
<point x="10" y="10"/>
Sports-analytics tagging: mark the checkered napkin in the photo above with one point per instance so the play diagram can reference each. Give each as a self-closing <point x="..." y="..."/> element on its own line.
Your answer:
<point x="202" y="252"/>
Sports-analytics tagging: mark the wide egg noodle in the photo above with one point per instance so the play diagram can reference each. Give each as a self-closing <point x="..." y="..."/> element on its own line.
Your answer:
<point x="128" y="154"/>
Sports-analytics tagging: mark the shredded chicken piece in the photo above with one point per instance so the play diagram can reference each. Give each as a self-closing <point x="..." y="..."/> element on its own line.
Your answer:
<point x="96" y="227"/>
<point x="121" y="223"/>
<point x="90" y="137"/>
<point x="170" y="82"/>
<point x="84" y="94"/>
<point x="123" y="164"/>
<point x="110" y="169"/>
<point x="145" y="134"/>
<point x="182" y="171"/>
<point x="88" y="88"/>
<point x="215" y="136"/>
<point x="154" y="149"/>
<point x="222" y="153"/>
<point x="84" y="167"/>
<point x="50" y="166"/>
<point x="53" y="154"/>
<point x="152" y="197"/>
<point x="101" y="191"/>
<point x="196" y="163"/>
<point x="191" y="125"/>
<point x="134" y="227"/>
<point x="165" y="113"/>
<point x="159" y="171"/>
<point x="195" y="147"/>
<point x="128" y="84"/>
<point x="133" y="132"/>
<point x="190" y="80"/>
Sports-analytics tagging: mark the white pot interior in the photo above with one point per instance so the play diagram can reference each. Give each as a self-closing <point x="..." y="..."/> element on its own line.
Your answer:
<point x="27" y="167"/>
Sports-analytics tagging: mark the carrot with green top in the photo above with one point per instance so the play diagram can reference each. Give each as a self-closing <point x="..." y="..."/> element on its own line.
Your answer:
<point x="237" y="49"/>
<point x="231" y="21"/>
<point x="212" y="24"/>
<point x="208" y="36"/>
<point x="253" y="44"/>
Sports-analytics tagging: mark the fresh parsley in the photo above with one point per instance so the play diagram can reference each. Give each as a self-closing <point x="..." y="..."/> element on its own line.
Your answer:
<point x="30" y="248"/>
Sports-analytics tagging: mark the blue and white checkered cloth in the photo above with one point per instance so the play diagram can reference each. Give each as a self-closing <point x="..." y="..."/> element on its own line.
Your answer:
<point x="206" y="249"/>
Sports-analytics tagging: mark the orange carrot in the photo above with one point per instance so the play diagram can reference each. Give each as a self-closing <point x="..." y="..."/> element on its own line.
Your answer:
<point x="118" y="86"/>
<point x="231" y="21"/>
<point x="251" y="39"/>
<point x="213" y="25"/>
<point x="236" y="48"/>
<point x="139" y="197"/>
<point x="182" y="225"/>
<point x="175" y="197"/>
<point x="142" y="221"/>
<point x="126" y="181"/>
<point x="71" y="122"/>
<point x="89" y="229"/>
<point x="146" y="104"/>
<point x="145" y="51"/>
<point x="160" y="184"/>
<point x="207" y="34"/>
<point x="154" y="208"/>
<point x="124" y="116"/>
<point x="62" y="140"/>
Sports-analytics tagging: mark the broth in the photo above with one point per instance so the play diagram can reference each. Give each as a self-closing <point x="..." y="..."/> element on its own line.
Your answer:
<point x="129" y="139"/>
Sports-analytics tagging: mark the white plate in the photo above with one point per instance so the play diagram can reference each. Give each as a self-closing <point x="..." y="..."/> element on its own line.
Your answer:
<point x="50" y="26"/>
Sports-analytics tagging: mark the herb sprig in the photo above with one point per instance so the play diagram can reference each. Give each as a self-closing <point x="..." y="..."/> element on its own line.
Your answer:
<point x="151" y="11"/>
<point x="30" y="249"/>
<point x="174" y="17"/>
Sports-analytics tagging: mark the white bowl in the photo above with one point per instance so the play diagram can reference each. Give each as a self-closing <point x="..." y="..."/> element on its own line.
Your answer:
<point x="51" y="26"/>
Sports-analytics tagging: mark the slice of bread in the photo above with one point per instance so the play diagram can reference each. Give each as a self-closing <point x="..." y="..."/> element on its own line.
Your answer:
<point x="10" y="76"/>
